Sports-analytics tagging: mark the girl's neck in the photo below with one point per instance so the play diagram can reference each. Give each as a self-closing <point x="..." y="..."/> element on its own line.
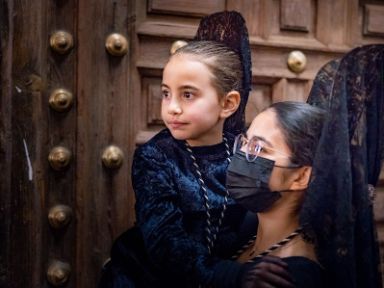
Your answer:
<point x="211" y="137"/>
<point x="205" y="141"/>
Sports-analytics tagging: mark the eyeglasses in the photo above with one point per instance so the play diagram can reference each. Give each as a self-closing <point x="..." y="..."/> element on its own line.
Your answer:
<point x="254" y="146"/>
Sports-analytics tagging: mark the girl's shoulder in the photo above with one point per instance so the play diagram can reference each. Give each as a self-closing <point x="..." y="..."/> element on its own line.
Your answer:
<point x="160" y="146"/>
<point x="163" y="147"/>
<point x="159" y="141"/>
<point x="163" y="135"/>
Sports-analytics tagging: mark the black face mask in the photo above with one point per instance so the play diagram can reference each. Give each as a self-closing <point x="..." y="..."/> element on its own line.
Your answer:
<point x="247" y="182"/>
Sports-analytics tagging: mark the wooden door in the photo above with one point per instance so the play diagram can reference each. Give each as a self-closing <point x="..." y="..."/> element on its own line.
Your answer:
<point x="116" y="102"/>
<point x="59" y="217"/>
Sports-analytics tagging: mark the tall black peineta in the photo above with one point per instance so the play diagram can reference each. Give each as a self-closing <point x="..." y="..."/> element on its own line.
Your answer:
<point x="229" y="28"/>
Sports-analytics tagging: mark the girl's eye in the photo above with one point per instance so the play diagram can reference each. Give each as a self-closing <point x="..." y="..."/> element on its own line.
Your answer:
<point x="164" y="94"/>
<point x="187" y="95"/>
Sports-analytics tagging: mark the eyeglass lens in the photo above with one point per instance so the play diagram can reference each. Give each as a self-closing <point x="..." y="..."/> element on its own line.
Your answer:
<point x="252" y="147"/>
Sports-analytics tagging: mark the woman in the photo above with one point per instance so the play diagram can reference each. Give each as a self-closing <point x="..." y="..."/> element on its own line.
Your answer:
<point x="269" y="175"/>
<point x="334" y="235"/>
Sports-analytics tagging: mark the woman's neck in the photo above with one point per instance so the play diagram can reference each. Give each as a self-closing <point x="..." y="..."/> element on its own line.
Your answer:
<point x="274" y="226"/>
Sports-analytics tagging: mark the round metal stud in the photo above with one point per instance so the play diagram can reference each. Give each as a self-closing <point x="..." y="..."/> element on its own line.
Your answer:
<point x="112" y="157"/>
<point x="59" y="216"/>
<point x="297" y="61"/>
<point x="116" y="44"/>
<point x="61" y="42"/>
<point x="58" y="273"/>
<point x="176" y="45"/>
<point x="60" y="100"/>
<point x="59" y="158"/>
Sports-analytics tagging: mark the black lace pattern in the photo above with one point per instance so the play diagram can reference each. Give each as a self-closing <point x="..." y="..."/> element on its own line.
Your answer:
<point x="337" y="212"/>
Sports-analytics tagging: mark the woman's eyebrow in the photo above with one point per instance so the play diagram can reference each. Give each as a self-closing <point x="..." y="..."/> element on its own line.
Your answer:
<point x="261" y="138"/>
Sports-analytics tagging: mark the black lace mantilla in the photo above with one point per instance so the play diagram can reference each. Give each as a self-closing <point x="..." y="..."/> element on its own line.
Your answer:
<point x="337" y="212"/>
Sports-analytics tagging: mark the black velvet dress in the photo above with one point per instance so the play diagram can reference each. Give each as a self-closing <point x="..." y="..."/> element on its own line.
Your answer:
<point x="171" y="213"/>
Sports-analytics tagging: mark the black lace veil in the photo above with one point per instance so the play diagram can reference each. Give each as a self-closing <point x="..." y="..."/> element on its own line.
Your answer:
<point x="229" y="28"/>
<point x="337" y="212"/>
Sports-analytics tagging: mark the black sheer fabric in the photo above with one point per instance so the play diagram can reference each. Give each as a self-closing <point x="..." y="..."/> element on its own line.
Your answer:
<point x="229" y="27"/>
<point x="337" y="212"/>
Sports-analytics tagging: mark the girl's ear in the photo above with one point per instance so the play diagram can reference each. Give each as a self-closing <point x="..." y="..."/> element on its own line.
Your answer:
<point x="302" y="178"/>
<point x="230" y="103"/>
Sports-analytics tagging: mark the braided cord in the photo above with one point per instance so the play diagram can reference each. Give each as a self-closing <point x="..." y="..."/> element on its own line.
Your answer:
<point x="245" y="247"/>
<point x="270" y="249"/>
<point x="210" y="230"/>
<point x="277" y="245"/>
<point x="222" y="214"/>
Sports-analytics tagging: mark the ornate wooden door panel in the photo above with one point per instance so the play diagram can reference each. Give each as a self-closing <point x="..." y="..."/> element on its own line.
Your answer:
<point x="105" y="126"/>
<point x="116" y="102"/>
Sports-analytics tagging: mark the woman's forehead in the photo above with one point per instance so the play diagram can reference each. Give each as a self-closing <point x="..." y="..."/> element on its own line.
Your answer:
<point x="265" y="126"/>
<point x="263" y="122"/>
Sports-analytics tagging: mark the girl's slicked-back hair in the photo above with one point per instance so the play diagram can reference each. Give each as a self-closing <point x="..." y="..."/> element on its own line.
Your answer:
<point x="222" y="61"/>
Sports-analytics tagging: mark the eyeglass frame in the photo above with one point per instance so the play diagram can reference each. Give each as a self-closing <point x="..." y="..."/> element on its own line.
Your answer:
<point x="259" y="148"/>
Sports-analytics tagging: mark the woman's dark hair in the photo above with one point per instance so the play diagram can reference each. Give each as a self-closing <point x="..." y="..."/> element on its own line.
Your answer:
<point x="301" y="125"/>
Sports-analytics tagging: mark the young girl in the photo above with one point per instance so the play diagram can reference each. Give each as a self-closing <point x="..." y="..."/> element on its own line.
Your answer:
<point x="188" y="222"/>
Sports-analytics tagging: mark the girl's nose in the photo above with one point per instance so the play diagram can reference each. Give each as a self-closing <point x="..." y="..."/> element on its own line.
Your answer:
<point x="174" y="106"/>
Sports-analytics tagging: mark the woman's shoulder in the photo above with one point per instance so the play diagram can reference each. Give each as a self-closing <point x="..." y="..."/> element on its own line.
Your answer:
<point x="302" y="261"/>
<point x="303" y="264"/>
<point x="305" y="272"/>
<point x="297" y="247"/>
